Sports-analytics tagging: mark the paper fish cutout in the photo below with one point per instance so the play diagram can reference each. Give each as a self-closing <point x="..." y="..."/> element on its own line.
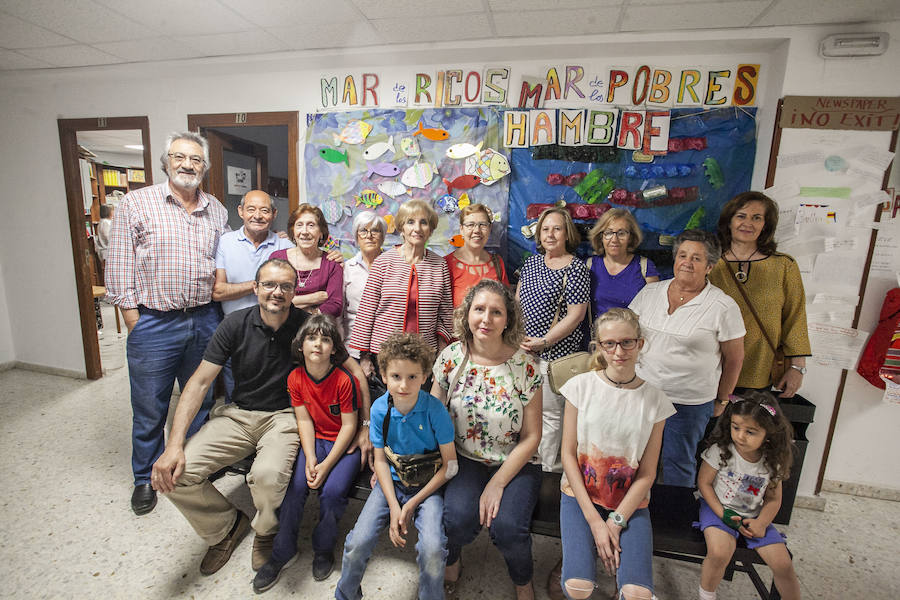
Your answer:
<point x="384" y="168"/>
<point x="639" y="157"/>
<point x="463" y="150"/>
<point x="696" y="218"/>
<point x="489" y="165"/>
<point x="569" y="180"/>
<point x="334" y="156"/>
<point x="354" y="132"/>
<point x="463" y="182"/>
<point x="368" y="198"/>
<point x="410" y="147"/>
<point x="435" y="135"/>
<point x="392" y="188"/>
<point x="331" y="244"/>
<point x="714" y="173"/>
<point x="463" y="201"/>
<point x="378" y="148"/>
<point x="658" y="171"/>
<point x="389" y="219"/>
<point x="419" y="175"/>
<point x="447" y="203"/>
<point x="495" y="216"/>
<point x="456" y="241"/>
<point x="334" y="210"/>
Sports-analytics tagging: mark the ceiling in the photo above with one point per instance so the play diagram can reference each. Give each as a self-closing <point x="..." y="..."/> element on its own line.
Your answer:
<point x="44" y="34"/>
<point x="111" y="140"/>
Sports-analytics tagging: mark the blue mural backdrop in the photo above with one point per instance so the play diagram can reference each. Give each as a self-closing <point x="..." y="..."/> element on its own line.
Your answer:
<point x="720" y="170"/>
<point x="344" y="176"/>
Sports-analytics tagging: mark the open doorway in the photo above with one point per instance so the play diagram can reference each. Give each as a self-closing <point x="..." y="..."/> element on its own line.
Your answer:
<point x="252" y="151"/>
<point x="103" y="159"/>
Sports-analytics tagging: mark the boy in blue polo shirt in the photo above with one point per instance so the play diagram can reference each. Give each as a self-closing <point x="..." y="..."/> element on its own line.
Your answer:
<point x="417" y="424"/>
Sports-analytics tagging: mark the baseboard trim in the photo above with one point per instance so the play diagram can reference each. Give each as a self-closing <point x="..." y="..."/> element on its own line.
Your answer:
<point x="6" y="366"/>
<point x="861" y="489"/>
<point x="810" y="502"/>
<point x="49" y="370"/>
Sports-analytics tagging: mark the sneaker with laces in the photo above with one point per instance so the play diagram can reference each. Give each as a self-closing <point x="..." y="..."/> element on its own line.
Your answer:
<point x="218" y="555"/>
<point x="268" y="574"/>
<point x="323" y="565"/>
<point x="262" y="550"/>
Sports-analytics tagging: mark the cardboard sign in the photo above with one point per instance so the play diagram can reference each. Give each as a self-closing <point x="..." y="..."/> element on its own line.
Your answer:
<point x="840" y="112"/>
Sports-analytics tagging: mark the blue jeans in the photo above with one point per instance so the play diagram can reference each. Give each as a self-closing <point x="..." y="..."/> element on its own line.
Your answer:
<point x="163" y="347"/>
<point x="580" y="550"/>
<point x="332" y="503"/>
<point x="431" y="549"/>
<point x="510" y="530"/>
<point x="682" y="434"/>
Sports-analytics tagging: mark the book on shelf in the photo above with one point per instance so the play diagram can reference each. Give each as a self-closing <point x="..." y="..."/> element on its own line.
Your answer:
<point x="114" y="178"/>
<point x="136" y="175"/>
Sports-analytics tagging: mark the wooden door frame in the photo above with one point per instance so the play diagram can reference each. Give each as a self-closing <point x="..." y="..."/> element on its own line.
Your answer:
<point x="261" y="119"/>
<point x="217" y="176"/>
<point x="68" y="143"/>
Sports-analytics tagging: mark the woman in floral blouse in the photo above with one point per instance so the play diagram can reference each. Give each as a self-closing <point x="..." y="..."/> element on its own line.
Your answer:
<point x="494" y="390"/>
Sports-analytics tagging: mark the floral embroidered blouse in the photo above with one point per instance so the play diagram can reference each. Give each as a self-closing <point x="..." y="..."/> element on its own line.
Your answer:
<point x="487" y="404"/>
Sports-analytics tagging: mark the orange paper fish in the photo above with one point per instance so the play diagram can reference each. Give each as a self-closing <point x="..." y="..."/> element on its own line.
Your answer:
<point x="436" y="135"/>
<point x="456" y="241"/>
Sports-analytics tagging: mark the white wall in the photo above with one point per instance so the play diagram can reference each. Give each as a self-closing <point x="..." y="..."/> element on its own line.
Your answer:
<point x="39" y="279"/>
<point x="7" y="349"/>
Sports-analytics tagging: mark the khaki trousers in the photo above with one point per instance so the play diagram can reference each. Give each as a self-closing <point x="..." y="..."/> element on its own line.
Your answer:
<point x="230" y="435"/>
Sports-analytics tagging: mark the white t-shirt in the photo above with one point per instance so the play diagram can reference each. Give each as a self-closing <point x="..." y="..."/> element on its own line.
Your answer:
<point x="614" y="426"/>
<point x="682" y="354"/>
<point x="739" y="485"/>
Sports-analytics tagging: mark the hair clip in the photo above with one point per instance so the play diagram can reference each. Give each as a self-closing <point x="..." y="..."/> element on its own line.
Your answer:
<point x="769" y="409"/>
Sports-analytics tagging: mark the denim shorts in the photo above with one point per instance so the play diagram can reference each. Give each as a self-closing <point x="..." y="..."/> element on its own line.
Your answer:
<point x="709" y="519"/>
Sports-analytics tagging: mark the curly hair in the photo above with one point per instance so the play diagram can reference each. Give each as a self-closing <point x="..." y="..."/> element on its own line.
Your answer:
<point x="573" y="238"/>
<point x="405" y="346"/>
<point x="513" y="333"/>
<point x="596" y="234"/>
<point x="766" y="240"/>
<point x="314" y="211"/>
<point x="777" y="449"/>
<point x="323" y="325"/>
<point x="613" y="315"/>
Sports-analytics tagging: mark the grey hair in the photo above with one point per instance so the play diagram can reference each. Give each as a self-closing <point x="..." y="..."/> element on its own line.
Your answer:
<point x="710" y="243"/>
<point x="189" y="136"/>
<point x="271" y="202"/>
<point x="366" y="218"/>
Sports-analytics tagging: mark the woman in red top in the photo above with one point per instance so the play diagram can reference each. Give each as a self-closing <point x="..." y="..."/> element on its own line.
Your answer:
<point x="325" y="399"/>
<point x="471" y="263"/>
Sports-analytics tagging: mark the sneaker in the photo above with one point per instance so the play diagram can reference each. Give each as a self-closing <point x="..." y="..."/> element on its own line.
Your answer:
<point x="218" y="555"/>
<point x="268" y="574"/>
<point x="262" y="550"/>
<point x="323" y="565"/>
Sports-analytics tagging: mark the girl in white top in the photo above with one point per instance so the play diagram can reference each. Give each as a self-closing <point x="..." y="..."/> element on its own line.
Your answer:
<point x="612" y="434"/>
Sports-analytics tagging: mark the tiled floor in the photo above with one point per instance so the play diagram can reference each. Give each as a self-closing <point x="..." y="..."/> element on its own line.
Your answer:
<point x="68" y="531"/>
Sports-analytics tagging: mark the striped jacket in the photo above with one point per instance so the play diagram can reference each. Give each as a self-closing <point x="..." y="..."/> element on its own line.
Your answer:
<point x="382" y="309"/>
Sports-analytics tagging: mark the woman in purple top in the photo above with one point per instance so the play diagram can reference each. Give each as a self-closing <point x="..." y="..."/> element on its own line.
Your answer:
<point x="319" y="280"/>
<point x="617" y="273"/>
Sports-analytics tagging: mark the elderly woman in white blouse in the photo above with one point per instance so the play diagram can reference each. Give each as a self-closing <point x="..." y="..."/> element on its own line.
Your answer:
<point x="368" y="230"/>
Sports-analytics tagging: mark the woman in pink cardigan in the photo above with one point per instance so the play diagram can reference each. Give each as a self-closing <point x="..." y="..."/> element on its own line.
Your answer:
<point x="408" y="289"/>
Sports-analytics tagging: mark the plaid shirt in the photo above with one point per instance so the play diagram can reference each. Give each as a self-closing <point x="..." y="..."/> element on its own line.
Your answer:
<point x="161" y="256"/>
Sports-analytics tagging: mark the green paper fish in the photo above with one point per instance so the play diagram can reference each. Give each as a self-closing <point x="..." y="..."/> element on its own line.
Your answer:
<point x="334" y="156"/>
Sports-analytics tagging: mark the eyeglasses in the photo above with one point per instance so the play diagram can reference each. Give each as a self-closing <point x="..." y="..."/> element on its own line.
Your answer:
<point x="481" y="225"/>
<point x="621" y="234"/>
<point x="271" y="286"/>
<point x="252" y="210"/>
<point x="366" y="233"/>
<point x="178" y="157"/>
<point x="610" y="345"/>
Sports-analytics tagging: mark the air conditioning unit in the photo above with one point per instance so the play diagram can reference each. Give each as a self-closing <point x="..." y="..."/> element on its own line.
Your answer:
<point x="854" y="44"/>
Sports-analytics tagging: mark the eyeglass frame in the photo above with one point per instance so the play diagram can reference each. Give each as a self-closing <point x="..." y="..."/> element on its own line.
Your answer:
<point x="369" y="233"/>
<point x="620" y="234"/>
<point x="286" y="288"/>
<point x="194" y="159"/>
<point x="633" y="342"/>
<point x="473" y="224"/>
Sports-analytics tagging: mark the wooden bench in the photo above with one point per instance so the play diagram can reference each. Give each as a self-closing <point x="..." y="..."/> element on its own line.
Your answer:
<point x="672" y="511"/>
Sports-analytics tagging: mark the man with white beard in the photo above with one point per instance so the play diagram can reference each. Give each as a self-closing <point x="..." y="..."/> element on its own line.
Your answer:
<point x="160" y="271"/>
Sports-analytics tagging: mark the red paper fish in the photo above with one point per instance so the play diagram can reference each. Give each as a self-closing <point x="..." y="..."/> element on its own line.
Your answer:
<point x="432" y="134"/>
<point x="463" y="182"/>
<point x="575" y="178"/>
<point x="556" y="178"/>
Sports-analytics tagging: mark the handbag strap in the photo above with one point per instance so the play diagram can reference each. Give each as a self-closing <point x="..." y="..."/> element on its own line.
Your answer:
<point x="457" y="374"/>
<point x="750" y="306"/>
<point x="387" y="420"/>
<point x="562" y="299"/>
<point x="495" y="260"/>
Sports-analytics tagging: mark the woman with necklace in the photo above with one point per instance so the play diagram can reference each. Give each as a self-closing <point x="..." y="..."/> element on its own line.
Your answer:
<point x="471" y="263"/>
<point x="554" y="292"/>
<point x="493" y="390"/>
<point x="617" y="273"/>
<point x="695" y="349"/>
<point x="612" y="433"/>
<point x="773" y="302"/>
<point x="319" y="280"/>
<point x="408" y="289"/>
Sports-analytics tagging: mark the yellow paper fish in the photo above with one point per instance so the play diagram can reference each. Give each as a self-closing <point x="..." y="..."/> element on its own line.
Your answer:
<point x="389" y="219"/>
<point x="463" y="201"/>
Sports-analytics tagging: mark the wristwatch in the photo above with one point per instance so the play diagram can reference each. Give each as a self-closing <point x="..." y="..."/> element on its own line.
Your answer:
<point x="365" y="422"/>
<point x="618" y="520"/>
<point x="799" y="368"/>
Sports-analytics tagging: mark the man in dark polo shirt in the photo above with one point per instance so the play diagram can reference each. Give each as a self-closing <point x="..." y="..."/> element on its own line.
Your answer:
<point x="259" y="419"/>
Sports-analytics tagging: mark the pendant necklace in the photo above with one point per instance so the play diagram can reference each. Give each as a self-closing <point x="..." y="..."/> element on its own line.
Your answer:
<point x="302" y="282"/>
<point x="618" y="384"/>
<point x="741" y="275"/>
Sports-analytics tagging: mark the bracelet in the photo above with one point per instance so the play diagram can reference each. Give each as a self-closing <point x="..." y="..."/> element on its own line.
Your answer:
<point x="726" y="518"/>
<point x="365" y="422"/>
<point x="546" y="344"/>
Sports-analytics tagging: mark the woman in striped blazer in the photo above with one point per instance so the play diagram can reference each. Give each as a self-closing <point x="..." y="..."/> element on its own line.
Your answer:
<point x="408" y="289"/>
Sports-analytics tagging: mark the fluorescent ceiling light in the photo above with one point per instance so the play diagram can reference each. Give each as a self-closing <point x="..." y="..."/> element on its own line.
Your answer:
<point x="134" y="146"/>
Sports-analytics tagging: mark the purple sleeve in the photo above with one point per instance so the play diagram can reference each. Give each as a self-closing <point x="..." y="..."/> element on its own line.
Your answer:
<point x="652" y="271"/>
<point x="282" y="254"/>
<point x="334" y="272"/>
